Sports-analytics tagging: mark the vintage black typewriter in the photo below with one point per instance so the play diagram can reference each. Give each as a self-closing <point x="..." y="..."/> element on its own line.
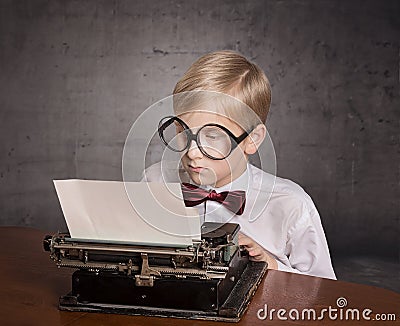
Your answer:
<point x="212" y="279"/>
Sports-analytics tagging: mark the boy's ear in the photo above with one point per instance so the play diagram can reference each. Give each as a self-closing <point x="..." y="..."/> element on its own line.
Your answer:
<point x="255" y="138"/>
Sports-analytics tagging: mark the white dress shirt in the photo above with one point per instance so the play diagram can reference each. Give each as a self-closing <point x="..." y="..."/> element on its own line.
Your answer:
<point x="279" y="215"/>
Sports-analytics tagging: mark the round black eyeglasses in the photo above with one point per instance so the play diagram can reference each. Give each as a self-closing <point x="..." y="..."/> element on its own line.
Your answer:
<point x="213" y="140"/>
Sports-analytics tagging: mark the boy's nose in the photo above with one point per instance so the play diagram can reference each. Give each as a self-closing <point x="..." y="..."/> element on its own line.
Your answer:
<point x="194" y="151"/>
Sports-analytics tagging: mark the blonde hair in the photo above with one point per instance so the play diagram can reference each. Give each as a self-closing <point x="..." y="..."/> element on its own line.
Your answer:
<point x="230" y="73"/>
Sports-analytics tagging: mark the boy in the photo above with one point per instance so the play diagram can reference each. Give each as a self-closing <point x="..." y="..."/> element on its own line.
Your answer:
<point x="287" y="232"/>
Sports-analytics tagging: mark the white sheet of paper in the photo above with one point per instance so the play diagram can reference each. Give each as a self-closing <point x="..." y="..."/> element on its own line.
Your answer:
<point x="153" y="214"/>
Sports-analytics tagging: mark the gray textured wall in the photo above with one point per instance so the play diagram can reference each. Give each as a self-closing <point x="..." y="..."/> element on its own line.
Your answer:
<point x="76" y="74"/>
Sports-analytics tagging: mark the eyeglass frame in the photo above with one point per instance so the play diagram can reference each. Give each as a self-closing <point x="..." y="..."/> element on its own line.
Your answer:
<point x="235" y="141"/>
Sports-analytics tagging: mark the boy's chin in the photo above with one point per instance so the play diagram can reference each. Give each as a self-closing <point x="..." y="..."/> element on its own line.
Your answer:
<point x="202" y="179"/>
<point x="203" y="182"/>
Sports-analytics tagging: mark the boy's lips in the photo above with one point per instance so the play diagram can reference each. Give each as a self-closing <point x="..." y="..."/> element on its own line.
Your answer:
<point x="196" y="169"/>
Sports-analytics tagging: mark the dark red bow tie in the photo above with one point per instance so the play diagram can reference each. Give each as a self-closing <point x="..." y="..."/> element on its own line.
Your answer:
<point x="232" y="200"/>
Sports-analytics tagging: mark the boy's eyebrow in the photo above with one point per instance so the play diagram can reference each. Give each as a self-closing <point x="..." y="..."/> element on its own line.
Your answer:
<point x="201" y="126"/>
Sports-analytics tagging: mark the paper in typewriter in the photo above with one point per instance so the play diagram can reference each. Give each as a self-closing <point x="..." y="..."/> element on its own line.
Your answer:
<point x="101" y="210"/>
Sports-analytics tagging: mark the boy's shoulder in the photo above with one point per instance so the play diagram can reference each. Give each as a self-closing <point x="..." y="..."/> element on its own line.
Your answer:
<point x="286" y="198"/>
<point x="282" y="187"/>
<point x="164" y="171"/>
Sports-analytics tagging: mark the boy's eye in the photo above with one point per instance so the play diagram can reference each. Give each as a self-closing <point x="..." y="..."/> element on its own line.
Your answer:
<point x="213" y="135"/>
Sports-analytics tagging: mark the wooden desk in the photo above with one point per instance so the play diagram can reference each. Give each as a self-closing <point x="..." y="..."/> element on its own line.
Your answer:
<point x="30" y="285"/>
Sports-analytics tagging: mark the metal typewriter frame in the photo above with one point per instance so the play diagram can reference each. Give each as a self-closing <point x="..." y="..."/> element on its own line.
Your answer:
<point x="212" y="279"/>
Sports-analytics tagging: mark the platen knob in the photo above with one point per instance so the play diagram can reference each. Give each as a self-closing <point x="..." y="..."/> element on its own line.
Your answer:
<point x="47" y="242"/>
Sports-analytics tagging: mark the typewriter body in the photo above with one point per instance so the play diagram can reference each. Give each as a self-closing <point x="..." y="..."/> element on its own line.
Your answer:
<point x="212" y="279"/>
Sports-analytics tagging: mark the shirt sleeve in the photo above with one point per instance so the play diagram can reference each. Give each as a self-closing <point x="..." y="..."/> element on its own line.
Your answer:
<point x="306" y="247"/>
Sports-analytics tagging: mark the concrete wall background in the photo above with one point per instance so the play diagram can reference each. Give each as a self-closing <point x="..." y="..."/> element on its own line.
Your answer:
<point x="76" y="74"/>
